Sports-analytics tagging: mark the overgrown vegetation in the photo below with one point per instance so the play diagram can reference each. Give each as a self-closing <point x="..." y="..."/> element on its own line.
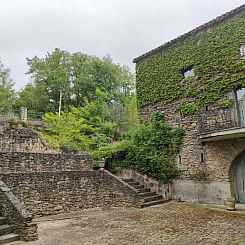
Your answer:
<point x="76" y="77"/>
<point x="99" y="113"/>
<point x="214" y="54"/>
<point x="150" y="149"/>
<point x="82" y="129"/>
<point x="7" y="94"/>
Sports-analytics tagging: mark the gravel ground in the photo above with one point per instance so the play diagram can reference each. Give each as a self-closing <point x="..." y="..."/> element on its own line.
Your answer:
<point x="169" y="223"/>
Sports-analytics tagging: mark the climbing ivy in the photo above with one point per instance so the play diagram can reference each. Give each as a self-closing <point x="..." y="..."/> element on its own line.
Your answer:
<point x="215" y="57"/>
<point x="227" y="103"/>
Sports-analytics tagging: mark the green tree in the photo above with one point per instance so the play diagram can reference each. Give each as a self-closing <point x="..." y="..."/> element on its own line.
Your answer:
<point x="33" y="97"/>
<point x="7" y="94"/>
<point x="52" y="74"/>
<point x="78" y="75"/>
<point x="67" y="132"/>
<point x="81" y="129"/>
<point x="150" y="149"/>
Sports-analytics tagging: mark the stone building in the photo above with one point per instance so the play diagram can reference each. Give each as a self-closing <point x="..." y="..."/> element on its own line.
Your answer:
<point x="198" y="81"/>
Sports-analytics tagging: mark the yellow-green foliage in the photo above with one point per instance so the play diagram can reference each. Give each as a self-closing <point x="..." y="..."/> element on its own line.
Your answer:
<point x="214" y="54"/>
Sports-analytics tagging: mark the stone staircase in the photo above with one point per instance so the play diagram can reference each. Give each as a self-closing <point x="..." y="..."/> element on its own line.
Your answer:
<point x="149" y="198"/>
<point x="6" y="232"/>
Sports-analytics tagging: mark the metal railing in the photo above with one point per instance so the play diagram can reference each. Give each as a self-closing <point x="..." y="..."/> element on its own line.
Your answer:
<point x="14" y="115"/>
<point x="220" y="119"/>
<point x="9" y="115"/>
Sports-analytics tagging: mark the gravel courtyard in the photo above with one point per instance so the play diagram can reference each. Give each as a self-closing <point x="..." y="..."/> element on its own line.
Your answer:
<point x="169" y="223"/>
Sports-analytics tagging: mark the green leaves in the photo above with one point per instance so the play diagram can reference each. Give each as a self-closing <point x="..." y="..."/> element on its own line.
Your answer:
<point x="81" y="129"/>
<point x="150" y="149"/>
<point x="218" y="68"/>
<point x="7" y="94"/>
<point x="78" y="75"/>
<point x="153" y="148"/>
<point x="34" y="97"/>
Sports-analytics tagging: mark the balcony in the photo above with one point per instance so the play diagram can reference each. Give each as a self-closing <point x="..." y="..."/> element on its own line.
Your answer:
<point x="219" y="124"/>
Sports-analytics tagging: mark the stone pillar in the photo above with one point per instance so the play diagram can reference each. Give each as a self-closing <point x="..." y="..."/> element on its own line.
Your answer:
<point x="23" y="114"/>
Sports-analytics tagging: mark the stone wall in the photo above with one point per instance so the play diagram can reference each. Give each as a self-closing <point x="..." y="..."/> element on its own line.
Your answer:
<point x="11" y="162"/>
<point x="165" y="190"/>
<point x="204" y="166"/>
<point x="189" y="157"/>
<point x="16" y="138"/>
<point x="16" y="214"/>
<point x="47" y="193"/>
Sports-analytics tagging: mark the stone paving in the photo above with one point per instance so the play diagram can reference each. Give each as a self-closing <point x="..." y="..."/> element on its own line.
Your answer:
<point x="169" y="223"/>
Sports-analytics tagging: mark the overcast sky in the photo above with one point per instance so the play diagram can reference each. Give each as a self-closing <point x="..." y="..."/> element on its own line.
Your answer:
<point x="123" y="28"/>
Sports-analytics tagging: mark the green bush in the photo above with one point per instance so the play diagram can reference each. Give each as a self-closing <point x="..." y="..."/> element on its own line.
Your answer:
<point x="150" y="150"/>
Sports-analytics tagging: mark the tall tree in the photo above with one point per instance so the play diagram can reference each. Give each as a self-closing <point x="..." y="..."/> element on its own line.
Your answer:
<point x="7" y="94"/>
<point x="33" y="97"/>
<point x="78" y="75"/>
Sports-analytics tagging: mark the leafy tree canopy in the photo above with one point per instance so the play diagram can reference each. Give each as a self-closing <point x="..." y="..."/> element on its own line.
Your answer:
<point x="81" y="129"/>
<point x="7" y="94"/>
<point x="33" y="97"/>
<point x="77" y="76"/>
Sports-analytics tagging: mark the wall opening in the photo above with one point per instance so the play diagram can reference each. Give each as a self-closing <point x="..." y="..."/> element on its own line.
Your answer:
<point x="237" y="178"/>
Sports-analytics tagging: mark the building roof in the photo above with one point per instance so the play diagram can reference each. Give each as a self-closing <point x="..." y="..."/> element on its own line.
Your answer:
<point x="203" y="27"/>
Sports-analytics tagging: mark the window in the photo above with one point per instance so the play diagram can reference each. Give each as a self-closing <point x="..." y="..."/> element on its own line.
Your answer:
<point x="240" y="93"/>
<point x="202" y="158"/>
<point x="240" y="96"/>
<point x="242" y="50"/>
<point x="188" y="72"/>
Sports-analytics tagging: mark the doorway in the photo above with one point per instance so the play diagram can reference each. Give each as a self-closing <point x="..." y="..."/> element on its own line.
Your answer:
<point x="239" y="180"/>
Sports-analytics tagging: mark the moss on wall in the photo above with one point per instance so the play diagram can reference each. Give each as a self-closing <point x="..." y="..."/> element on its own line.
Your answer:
<point x="215" y="57"/>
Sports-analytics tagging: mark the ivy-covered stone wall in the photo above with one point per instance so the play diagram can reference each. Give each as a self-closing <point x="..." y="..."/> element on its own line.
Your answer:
<point x="215" y="57"/>
<point x="200" y="104"/>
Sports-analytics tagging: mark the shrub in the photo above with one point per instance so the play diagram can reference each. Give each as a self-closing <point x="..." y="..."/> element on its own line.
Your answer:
<point x="150" y="149"/>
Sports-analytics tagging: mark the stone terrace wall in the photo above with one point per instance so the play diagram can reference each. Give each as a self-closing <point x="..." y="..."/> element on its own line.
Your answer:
<point x="47" y="193"/>
<point x="16" y="214"/>
<point x="20" y="139"/>
<point x="11" y="162"/>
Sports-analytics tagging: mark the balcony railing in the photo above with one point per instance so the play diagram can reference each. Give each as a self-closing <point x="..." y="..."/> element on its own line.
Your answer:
<point x="220" y="119"/>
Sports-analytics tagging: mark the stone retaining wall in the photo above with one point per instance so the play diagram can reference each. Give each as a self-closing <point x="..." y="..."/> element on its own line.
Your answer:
<point x="12" y="162"/>
<point x="16" y="214"/>
<point x="16" y="138"/>
<point x="46" y="193"/>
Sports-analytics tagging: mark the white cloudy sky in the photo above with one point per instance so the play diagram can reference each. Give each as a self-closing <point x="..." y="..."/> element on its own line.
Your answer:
<point x="123" y="28"/>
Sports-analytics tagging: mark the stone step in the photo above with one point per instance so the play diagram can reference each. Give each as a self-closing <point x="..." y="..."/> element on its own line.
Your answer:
<point x="152" y="203"/>
<point x="5" y="239"/>
<point x="5" y="229"/>
<point x="3" y="220"/>
<point x="132" y="183"/>
<point x="152" y="198"/>
<point x="143" y="190"/>
<point x="128" y="180"/>
<point x="138" y="186"/>
<point x="147" y="194"/>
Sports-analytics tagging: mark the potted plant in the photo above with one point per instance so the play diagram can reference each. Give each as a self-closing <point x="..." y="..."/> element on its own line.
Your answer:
<point x="230" y="204"/>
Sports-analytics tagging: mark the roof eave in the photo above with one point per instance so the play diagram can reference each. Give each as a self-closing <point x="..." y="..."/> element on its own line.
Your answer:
<point x="203" y="27"/>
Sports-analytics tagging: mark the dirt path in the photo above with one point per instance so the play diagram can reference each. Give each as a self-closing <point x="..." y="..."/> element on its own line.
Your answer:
<point x="170" y="223"/>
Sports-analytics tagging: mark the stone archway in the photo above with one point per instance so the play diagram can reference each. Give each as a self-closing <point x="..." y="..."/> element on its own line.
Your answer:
<point x="237" y="177"/>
